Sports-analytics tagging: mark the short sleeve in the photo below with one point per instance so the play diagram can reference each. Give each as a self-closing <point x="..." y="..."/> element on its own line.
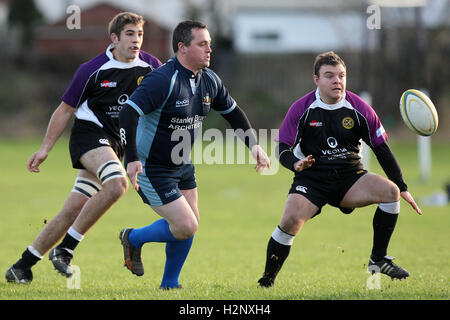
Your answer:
<point x="79" y="87"/>
<point x="152" y="93"/>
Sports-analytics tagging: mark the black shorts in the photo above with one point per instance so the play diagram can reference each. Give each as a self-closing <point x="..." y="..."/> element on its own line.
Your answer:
<point x="86" y="136"/>
<point x="323" y="187"/>
<point x="159" y="185"/>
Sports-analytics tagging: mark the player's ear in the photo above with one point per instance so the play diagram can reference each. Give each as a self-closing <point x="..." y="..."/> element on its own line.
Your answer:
<point x="114" y="38"/>
<point x="181" y="47"/>
<point x="316" y="79"/>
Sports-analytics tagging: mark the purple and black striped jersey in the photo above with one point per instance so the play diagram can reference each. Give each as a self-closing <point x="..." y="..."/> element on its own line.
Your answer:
<point x="102" y="85"/>
<point x="331" y="133"/>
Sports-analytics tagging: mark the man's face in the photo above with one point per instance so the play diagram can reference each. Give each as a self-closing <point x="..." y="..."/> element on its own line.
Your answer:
<point x="332" y="81"/>
<point x="126" y="49"/>
<point x="198" y="53"/>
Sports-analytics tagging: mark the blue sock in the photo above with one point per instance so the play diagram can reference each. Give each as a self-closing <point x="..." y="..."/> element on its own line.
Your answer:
<point x="176" y="254"/>
<point x="158" y="231"/>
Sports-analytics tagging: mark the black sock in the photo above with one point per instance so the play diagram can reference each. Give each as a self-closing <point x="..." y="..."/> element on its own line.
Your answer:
<point x="68" y="242"/>
<point x="383" y="227"/>
<point x="27" y="261"/>
<point x="276" y="255"/>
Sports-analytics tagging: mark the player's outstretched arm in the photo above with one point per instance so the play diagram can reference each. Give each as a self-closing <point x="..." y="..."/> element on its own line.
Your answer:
<point x="392" y="169"/>
<point x="239" y="122"/>
<point x="58" y="122"/>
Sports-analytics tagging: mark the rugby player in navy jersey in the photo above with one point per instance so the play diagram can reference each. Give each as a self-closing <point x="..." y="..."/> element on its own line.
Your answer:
<point x="172" y="100"/>
<point x="327" y="125"/>
<point x="95" y="96"/>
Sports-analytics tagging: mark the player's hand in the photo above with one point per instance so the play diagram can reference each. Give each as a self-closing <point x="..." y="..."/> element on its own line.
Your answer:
<point x="262" y="160"/>
<point x="304" y="163"/>
<point x="409" y="198"/>
<point x="35" y="160"/>
<point x="133" y="169"/>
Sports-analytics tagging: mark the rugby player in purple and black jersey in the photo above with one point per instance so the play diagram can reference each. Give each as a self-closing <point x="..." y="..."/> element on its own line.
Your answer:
<point x="95" y="96"/>
<point x="319" y="140"/>
<point x="172" y="102"/>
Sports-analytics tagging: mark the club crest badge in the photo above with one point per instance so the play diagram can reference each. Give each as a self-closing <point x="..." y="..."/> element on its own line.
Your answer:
<point x="348" y="123"/>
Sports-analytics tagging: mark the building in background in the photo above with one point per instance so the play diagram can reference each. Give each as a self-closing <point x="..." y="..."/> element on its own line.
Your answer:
<point x="91" y="38"/>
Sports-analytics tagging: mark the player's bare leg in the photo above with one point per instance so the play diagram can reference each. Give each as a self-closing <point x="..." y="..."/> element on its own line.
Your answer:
<point x="182" y="219"/>
<point x="59" y="225"/>
<point x="85" y="186"/>
<point x="111" y="191"/>
<point x="297" y="211"/>
<point x="104" y="163"/>
<point x="177" y="228"/>
<point x="191" y="197"/>
<point x="369" y="189"/>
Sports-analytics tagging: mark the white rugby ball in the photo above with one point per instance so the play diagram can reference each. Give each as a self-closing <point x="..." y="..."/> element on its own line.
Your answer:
<point x="418" y="112"/>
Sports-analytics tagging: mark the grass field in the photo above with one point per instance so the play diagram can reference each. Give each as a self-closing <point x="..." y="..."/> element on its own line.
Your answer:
<point x="239" y="210"/>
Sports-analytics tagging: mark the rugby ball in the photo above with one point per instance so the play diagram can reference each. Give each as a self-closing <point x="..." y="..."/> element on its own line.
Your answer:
<point x="418" y="112"/>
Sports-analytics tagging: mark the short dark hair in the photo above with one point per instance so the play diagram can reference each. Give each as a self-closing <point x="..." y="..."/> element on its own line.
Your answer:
<point x="327" y="58"/>
<point x="183" y="33"/>
<point x="121" y="19"/>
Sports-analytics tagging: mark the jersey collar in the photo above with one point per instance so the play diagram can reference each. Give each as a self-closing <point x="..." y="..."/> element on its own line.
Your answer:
<point x="110" y="55"/>
<point x="186" y="72"/>
<point x="340" y="104"/>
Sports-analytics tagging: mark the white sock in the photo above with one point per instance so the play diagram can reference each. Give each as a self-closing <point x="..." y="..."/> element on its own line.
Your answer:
<point x="75" y="234"/>
<point x="282" y="237"/>
<point x="34" y="252"/>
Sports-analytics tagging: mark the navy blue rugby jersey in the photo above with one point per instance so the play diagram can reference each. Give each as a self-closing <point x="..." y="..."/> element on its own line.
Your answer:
<point x="102" y="85"/>
<point x="171" y="98"/>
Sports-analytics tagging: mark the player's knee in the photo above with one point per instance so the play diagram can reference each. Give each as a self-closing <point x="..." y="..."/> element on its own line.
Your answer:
<point x="116" y="187"/>
<point x="113" y="178"/>
<point x="292" y="223"/>
<point x="392" y="193"/>
<point x="186" y="229"/>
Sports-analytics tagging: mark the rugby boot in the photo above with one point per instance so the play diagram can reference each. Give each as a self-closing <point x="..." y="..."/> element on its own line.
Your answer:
<point x="61" y="259"/>
<point x="268" y="278"/>
<point x="131" y="254"/>
<point x="171" y="288"/>
<point x="387" y="267"/>
<point x="18" y="275"/>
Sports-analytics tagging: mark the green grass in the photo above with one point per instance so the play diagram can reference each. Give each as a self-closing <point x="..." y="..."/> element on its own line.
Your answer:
<point x="239" y="210"/>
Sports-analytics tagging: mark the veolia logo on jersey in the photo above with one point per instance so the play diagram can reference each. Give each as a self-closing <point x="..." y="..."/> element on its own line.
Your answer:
<point x="332" y="142"/>
<point x="334" y="152"/>
<point x="108" y="84"/>
<point x="122" y="99"/>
